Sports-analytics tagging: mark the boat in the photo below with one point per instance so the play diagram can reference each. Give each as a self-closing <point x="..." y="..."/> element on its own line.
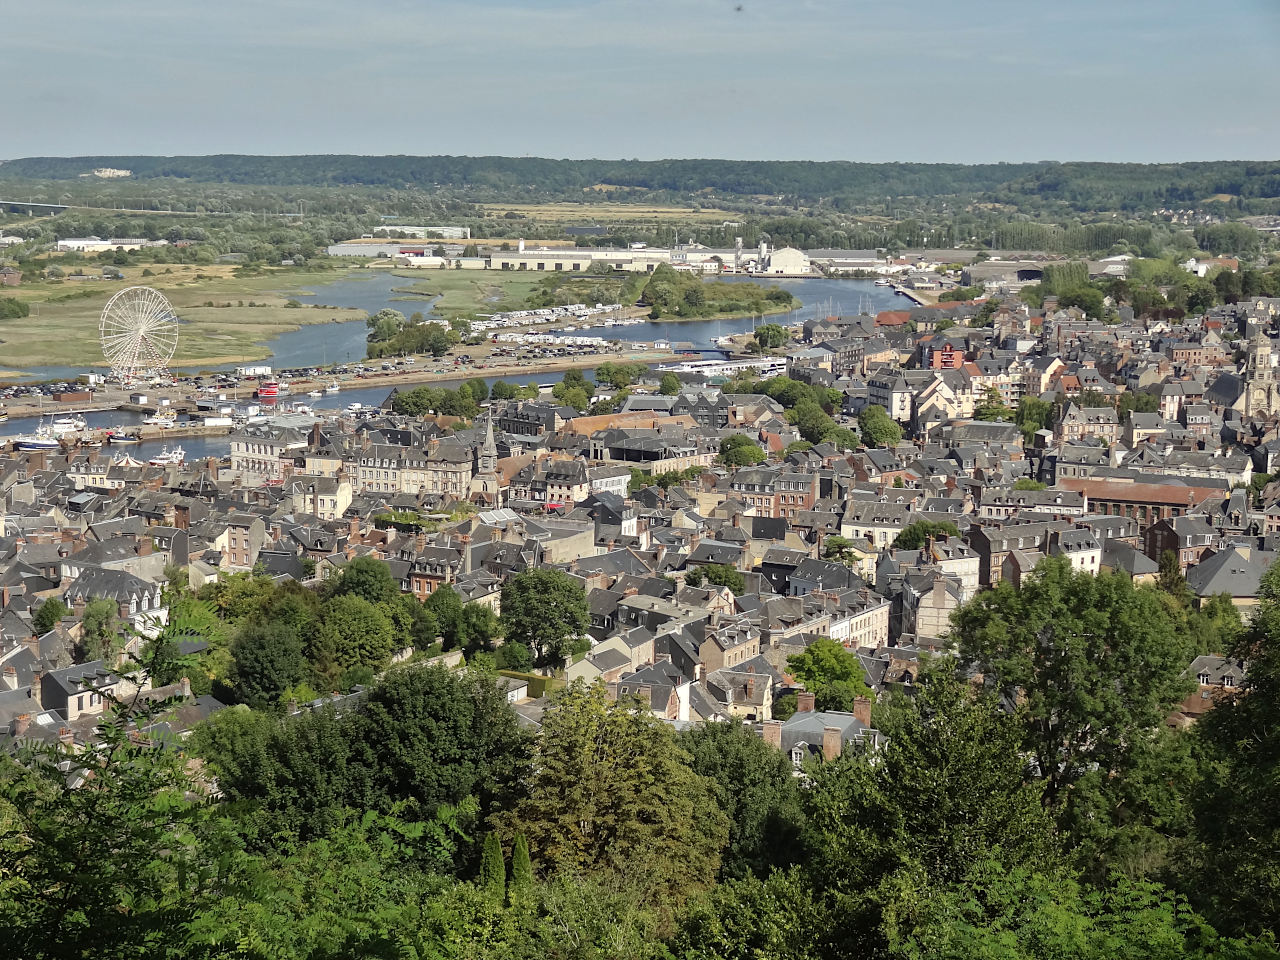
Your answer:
<point x="117" y="438"/>
<point x="4" y="415"/>
<point x="95" y="444"/>
<point x="164" y="418"/>
<point x="333" y="388"/>
<point x="42" y="439"/>
<point x="315" y="394"/>
<point x="883" y="282"/>
<point x="166" y="457"/>
<point x="354" y="407"/>
<point x="268" y="390"/>
<point x="69" y="424"/>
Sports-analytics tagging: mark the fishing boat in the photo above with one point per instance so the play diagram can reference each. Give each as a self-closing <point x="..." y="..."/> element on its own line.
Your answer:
<point x="69" y="425"/>
<point x="333" y="388"/>
<point x="166" y="457"/>
<point x="118" y="437"/>
<point x="42" y="439"/>
<point x="268" y="390"/>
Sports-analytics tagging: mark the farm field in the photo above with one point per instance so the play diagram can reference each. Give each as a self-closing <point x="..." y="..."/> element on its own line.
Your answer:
<point x="609" y="213"/>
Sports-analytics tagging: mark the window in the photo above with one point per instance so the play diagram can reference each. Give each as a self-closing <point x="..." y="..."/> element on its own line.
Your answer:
<point x="1204" y="679"/>
<point x="1228" y="681"/>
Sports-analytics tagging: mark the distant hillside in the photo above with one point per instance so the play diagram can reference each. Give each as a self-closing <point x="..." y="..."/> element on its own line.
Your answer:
<point x="1085" y="186"/>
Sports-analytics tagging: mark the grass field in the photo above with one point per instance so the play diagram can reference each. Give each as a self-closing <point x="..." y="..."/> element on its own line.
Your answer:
<point x="63" y="326"/>
<point x="467" y="292"/>
<point x="609" y="213"/>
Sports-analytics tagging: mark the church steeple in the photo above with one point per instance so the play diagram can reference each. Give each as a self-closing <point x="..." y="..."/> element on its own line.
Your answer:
<point x="489" y="451"/>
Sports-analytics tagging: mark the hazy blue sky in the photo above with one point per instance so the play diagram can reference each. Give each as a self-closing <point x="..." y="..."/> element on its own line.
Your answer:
<point x="954" y="80"/>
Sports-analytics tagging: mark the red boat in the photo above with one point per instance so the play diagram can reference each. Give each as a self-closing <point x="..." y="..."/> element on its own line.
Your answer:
<point x="268" y="390"/>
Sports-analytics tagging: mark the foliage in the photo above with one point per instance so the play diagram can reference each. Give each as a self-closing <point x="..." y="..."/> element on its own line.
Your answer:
<point x="352" y="632"/>
<point x="493" y="869"/>
<point x="612" y="796"/>
<point x="717" y="574"/>
<point x="993" y="408"/>
<point x="545" y="610"/>
<point x="620" y="375"/>
<point x="1033" y="414"/>
<point x="825" y="662"/>
<point x="1239" y="797"/>
<point x="669" y="385"/>
<point x="755" y="786"/>
<point x="49" y="615"/>
<point x="425" y="399"/>
<point x="770" y="336"/>
<point x="1098" y="665"/>
<point x="737" y="450"/>
<point x="1026" y="483"/>
<point x="876" y="427"/>
<point x="914" y="535"/>
<point x="101" y="629"/>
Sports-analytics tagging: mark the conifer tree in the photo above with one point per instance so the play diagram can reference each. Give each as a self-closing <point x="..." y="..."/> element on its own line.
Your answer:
<point x="493" y="869"/>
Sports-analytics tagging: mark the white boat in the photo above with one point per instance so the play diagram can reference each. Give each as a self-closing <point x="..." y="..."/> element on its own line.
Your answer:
<point x="315" y="394"/>
<point x="166" y="457"/>
<point x="333" y="388"/>
<point x="354" y="407"/>
<point x="69" y="425"/>
<point x="166" y="418"/>
<point x="42" y="439"/>
<point x="882" y="282"/>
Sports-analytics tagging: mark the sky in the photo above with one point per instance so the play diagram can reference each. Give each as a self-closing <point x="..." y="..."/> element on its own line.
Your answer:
<point x="866" y="80"/>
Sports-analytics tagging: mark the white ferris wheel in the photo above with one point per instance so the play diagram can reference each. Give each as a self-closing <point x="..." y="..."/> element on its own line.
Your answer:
<point x="139" y="333"/>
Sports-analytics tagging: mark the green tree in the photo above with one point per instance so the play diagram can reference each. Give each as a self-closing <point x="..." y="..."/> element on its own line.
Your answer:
<point x="521" y="870"/>
<point x="368" y="578"/>
<point x="445" y="604"/>
<point x="770" y="336"/>
<point x="1239" y="796"/>
<point x="876" y="427"/>
<point x="352" y="632"/>
<point x="993" y="407"/>
<point x="501" y="390"/>
<point x="1026" y="483"/>
<point x="739" y="451"/>
<point x="101" y="627"/>
<point x="1170" y="578"/>
<point x="49" y="615"/>
<point x="914" y="535"/>
<point x="669" y="385"/>
<point x="1098" y="665"/>
<point x="493" y="869"/>
<point x="756" y="787"/>
<point x="827" y="661"/>
<point x="1033" y="414"/>
<point x="718" y="574"/>
<point x="612" y="795"/>
<point x="546" y="610"/>
<point x="946" y="795"/>
<point x="268" y="661"/>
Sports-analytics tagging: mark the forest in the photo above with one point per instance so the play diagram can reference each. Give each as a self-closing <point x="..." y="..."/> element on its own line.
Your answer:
<point x="1082" y="186"/>
<point x="1025" y="798"/>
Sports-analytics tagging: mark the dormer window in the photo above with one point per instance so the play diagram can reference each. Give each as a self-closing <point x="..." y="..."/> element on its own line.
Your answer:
<point x="1228" y="681"/>
<point x="1204" y="679"/>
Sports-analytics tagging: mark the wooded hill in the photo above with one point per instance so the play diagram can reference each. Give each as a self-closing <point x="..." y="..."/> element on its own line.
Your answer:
<point x="1083" y="186"/>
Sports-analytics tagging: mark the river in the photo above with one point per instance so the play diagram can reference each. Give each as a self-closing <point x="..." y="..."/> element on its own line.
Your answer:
<point x="371" y="291"/>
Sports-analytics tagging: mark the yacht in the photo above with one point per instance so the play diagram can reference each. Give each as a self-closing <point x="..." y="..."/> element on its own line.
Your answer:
<point x="69" y="424"/>
<point x="165" y="418"/>
<point x="166" y="457"/>
<point x="884" y="282"/>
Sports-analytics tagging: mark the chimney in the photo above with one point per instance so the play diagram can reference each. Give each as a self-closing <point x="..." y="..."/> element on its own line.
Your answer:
<point x="862" y="710"/>
<point x="182" y="516"/>
<point x="804" y="701"/>
<point x="751" y="688"/>
<point x="939" y="591"/>
<point x="830" y="743"/>
<point x="33" y="644"/>
<point x="21" y="724"/>
<point x="420" y="540"/>
<point x="773" y="733"/>
<point x="353" y="532"/>
<point x="144" y="547"/>
<point x="184" y="688"/>
<point x="37" y="687"/>
<point x="66" y="737"/>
